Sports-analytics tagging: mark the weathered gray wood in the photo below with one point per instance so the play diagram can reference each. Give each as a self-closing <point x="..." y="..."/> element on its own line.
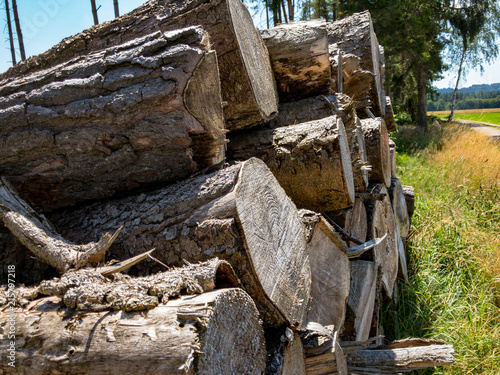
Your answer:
<point x="39" y="236"/>
<point x="247" y="82"/>
<point x="389" y="116"/>
<point x="377" y="150"/>
<point x="330" y="273"/>
<point x="355" y="35"/>
<point x="357" y="82"/>
<point x="381" y="222"/>
<point x="195" y="334"/>
<point x="293" y="357"/>
<point x="299" y="57"/>
<point x="140" y="113"/>
<point x="310" y="161"/>
<point x="398" y="202"/>
<point x="324" y="355"/>
<point x="390" y="361"/>
<point x="239" y="214"/>
<point x="356" y="222"/>
<point x="361" y="300"/>
<point x="409" y="193"/>
<point x="392" y="150"/>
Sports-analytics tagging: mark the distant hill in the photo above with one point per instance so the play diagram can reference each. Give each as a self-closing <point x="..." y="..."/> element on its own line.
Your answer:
<point x="473" y="97"/>
<point x="474" y="88"/>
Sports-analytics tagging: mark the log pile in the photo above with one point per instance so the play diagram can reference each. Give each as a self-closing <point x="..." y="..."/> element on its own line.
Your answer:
<point x="201" y="199"/>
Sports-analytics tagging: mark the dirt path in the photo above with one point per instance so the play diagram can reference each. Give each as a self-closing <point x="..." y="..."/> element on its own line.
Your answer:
<point x="491" y="130"/>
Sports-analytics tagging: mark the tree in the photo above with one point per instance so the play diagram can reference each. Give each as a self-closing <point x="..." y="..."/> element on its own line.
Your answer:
<point x="18" y="30"/>
<point x="117" y="10"/>
<point x="11" y="37"/>
<point x="474" y="27"/>
<point x="94" y="12"/>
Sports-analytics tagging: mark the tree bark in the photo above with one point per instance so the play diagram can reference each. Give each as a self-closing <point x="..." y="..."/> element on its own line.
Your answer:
<point x="311" y="161"/>
<point x="355" y="35"/>
<point x="143" y="113"/>
<point x="247" y="80"/>
<point x="203" y="334"/>
<point x="116" y="8"/>
<point x="11" y="36"/>
<point x="330" y="273"/>
<point x="39" y="236"/>
<point x="317" y="108"/>
<point x="390" y="361"/>
<point x="19" y="32"/>
<point x="381" y="222"/>
<point x="239" y="214"/>
<point x="299" y="57"/>
<point x="409" y="193"/>
<point x="398" y="202"/>
<point x="377" y="150"/>
<point x="421" y="95"/>
<point x="94" y="12"/>
<point x="361" y="300"/>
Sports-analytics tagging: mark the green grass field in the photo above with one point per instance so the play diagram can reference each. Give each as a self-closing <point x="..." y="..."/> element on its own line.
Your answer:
<point x="454" y="247"/>
<point x="491" y="116"/>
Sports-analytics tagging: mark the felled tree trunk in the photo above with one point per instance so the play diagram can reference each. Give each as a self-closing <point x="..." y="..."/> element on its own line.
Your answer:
<point x="361" y="300"/>
<point x="320" y="107"/>
<point x="389" y="116"/>
<point x="392" y="150"/>
<point x="409" y="193"/>
<point x="247" y="80"/>
<point x="381" y="222"/>
<point x="136" y="114"/>
<point x="330" y="273"/>
<point x="311" y="161"/>
<point x="355" y="35"/>
<point x="353" y="220"/>
<point x="294" y="358"/>
<point x="299" y="57"/>
<point x="398" y="202"/>
<point x="401" y="359"/>
<point x="199" y="335"/>
<point x="377" y="150"/>
<point x="239" y="214"/>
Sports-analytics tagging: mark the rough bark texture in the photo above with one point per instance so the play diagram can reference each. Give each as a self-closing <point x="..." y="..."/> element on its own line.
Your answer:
<point x="361" y="300"/>
<point x="377" y="150"/>
<point x="248" y="86"/>
<point x="39" y="236"/>
<point x="355" y="35"/>
<point x="330" y="273"/>
<point x="319" y="107"/>
<point x="201" y="335"/>
<point x="299" y="57"/>
<point x="398" y="202"/>
<point x="136" y="114"/>
<point x="381" y="222"/>
<point x="239" y="214"/>
<point x="310" y="161"/>
<point x="390" y="361"/>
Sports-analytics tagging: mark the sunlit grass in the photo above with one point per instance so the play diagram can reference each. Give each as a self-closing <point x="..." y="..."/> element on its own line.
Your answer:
<point x="490" y="115"/>
<point x="454" y="246"/>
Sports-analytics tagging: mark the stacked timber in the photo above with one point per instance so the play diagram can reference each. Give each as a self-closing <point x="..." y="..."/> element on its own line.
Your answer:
<point x="183" y="193"/>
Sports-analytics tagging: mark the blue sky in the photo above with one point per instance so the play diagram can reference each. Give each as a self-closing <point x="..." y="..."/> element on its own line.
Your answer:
<point x="46" y="22"/>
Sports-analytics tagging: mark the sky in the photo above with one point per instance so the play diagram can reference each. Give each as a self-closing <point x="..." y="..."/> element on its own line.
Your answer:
<point x="45" y="23"/>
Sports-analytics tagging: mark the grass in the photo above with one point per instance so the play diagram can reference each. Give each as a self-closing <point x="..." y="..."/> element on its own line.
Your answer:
<point x="454" y="246"/>
<point x="490" y="115"/>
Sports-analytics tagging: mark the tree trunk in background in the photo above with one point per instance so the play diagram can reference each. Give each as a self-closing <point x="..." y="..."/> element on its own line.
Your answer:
<point x="18" y="30"/>
<point x="291" y="10"/>
<point x="117" y="10"/>
<point x="115" y="120"/>
<point x="422" y="96"/>
<point x="94" y="12"/>
<point x="11" y="36"/>
<point x="222" y="324"/>
<point x="455" y="91"/>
